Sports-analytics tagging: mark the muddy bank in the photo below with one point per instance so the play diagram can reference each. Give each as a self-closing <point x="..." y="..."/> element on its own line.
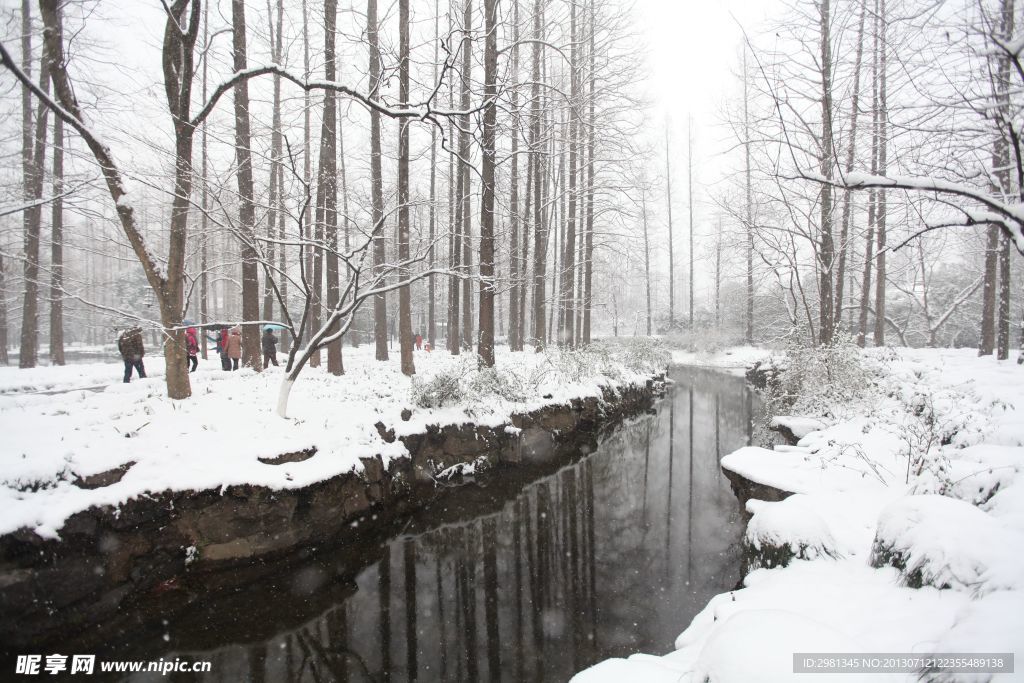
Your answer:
<point x="110" y="562"/>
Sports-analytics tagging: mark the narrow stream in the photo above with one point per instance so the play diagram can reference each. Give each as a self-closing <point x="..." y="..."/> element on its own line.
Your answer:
<point x="522" y="579"/>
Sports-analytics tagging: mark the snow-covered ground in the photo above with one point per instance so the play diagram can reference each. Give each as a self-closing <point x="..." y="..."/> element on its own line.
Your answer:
<point x="894" y="554"/>
<point x="62" y="423"/>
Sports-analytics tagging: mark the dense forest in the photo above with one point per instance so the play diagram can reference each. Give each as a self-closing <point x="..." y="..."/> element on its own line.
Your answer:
<point x="491" y="171"/>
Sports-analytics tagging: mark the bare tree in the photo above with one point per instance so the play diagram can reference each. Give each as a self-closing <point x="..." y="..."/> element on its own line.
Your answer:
<point x="431" y="282"/>
<point x="689" y="201"/>
<point x="404" y="303"/>
<point x="516" y="298"/>
<point x="57" y="248"/>
<point x="28" y="354"/>
<point x="467" y="223"/>
<point x="851" y="153"/>
<point x="880" y="196"/>
<point x="167" y="284"/>
<point x="380" y="314"/>
<point x="588" y="252"/>
<point x="566" y="335"/>
<point x="247" y="207"/>
<point x="749" y="208"/>
<point x="540" y="240"/>
<point x="485" y="347"/>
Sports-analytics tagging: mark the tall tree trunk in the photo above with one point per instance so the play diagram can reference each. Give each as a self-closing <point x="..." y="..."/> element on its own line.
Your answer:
<point x="540" y="241"/>
<point x="880" y="210"/>
<point x="671" y="247"/>
<point x="485" y="347"/>
<point x="749" y="209"/>
<point x="276" y="150"/>
<point x="565" y="330"/>
<point x="524" y="252"/>
<point x="647" y="256"/>
<point x="559" y="195"/>
<point x="455" y="208"/>
<point x="204" y="200"/>
<point x="380" y="313"/>
<point x="851" y="153"/>
<point x="329" y="182"/>
<point x="282" y="255"/>
<point x="718" y="277"/>
<point x="515" y="291"/>
<point x="464" y="152"/>
<point x="27" y="166"/>
<point x="353" y="333"/>
<point x="588" y="251"/>
<point x="247" y="208"/>
<point x="405" y="341"/>
<point x="28" y="355"/>
<point x="306" y="251"/>
<point x="432" y="229"/>
<point x="166" y="283"/>
<point x="316" y="275"/>
<point x="869" y="241"/>
<point x="989" y="292"/>
<point x="1003" y="152"/>
<point x="57" y="248"/>
<point x="826" y="248"/>
<point x="689" y="201"/>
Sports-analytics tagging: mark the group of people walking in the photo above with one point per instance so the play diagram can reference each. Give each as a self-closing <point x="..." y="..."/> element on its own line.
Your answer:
<point x="228" y="344"/>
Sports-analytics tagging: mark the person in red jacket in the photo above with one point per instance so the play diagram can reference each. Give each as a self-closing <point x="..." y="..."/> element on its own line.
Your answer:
<point x="222" y="349"/>
<point x="192" y="348"/>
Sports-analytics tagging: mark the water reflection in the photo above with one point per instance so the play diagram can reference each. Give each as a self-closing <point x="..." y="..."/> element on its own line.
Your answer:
<point x="611" y="555"/>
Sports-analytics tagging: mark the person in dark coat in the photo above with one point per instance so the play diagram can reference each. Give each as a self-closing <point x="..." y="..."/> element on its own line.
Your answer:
<point x="419" y="342"/>
<point x="234" y="346"/>
<point x="129" y="344"/>
<point x="269" y="343"/>
<point x="192" y="348"/>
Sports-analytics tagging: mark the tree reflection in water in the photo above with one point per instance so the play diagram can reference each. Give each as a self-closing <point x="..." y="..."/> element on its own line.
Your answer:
<point x="611" y="555"/>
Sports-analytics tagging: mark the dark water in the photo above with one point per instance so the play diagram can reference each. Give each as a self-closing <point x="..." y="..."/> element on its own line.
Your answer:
<point x="522" y="580"/>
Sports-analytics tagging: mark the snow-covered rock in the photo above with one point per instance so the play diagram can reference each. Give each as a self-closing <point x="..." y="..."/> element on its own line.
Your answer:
<point x="786" y="530"/>
<point x="796" y="426"/>
<point x="948" y="543"/>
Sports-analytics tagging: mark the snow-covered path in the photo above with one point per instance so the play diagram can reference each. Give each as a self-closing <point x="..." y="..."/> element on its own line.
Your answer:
<point x="57" y="428"/>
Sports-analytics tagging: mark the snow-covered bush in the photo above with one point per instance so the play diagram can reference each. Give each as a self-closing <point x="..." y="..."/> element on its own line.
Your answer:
<point x="467" y="382"/>
<point x="487" y="382"/>
<point x="824" y="381"/>
<point x="573" y="365"/>
<point x="643" y="354"/>
<point x="443" y="388"/>
<point x="639" y="354"/>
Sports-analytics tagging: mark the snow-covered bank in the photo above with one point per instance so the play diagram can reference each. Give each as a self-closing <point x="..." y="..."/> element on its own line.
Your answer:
<point x="218" y="437"/>
<point x="905" y="533"/>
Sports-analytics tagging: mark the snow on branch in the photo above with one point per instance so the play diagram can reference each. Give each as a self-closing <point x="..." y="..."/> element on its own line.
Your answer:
<point x="68" y="111"/>
<point x="1008" y="215"/>
<point x="424" y="111"/>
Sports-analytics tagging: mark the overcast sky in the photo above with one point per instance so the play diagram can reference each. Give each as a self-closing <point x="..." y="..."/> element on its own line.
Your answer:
<point x="694" y="49"/>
